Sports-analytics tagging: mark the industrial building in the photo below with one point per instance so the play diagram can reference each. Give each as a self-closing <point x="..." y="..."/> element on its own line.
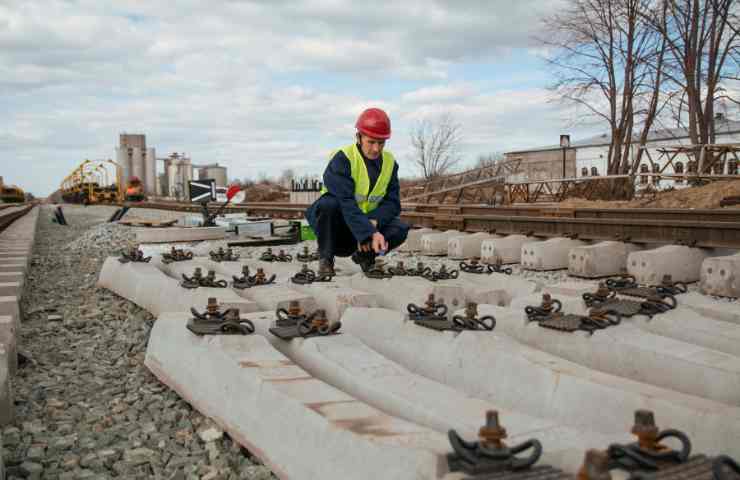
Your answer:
<point x="214" y="171"/>
<point x="588" y="157"/>
<point x="178" y="171"/>
<point x="136" y="160"/>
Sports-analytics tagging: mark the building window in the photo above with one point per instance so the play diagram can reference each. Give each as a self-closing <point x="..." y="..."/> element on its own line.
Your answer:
<point x="732" y="167"/>
<point x="584" y="172"/>
<point x="594" y="172"/>
<point x="643" y="176"/>
<point x="656" y="169"/>
<point x="678" y="169"/>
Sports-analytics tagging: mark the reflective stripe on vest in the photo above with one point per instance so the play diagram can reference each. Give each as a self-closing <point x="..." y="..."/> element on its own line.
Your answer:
<point x="366" y="200"/>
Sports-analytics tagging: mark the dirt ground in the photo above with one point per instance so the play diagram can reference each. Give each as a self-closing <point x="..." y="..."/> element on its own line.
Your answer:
<point x="707" y="196"/>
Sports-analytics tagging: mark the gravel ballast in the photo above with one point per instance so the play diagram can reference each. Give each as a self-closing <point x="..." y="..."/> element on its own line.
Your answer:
<point x="86" y="406"/>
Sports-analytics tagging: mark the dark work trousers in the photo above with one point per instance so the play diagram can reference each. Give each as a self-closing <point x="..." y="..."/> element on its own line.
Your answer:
<point x="334" y="236"/>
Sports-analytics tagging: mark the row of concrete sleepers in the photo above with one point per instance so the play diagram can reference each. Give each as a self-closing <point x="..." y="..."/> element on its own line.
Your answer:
<point x="379" y="398"/>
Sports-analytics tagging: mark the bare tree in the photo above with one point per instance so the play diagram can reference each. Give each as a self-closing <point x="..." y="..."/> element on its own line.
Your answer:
<point x="489" y="159"/>
<point x="436" y="145"/>
<point x="703" y="39"/>
<point x="609" y="61"/>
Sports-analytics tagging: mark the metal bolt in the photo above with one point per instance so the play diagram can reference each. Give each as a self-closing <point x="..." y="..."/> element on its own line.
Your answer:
<point x="595" y="466"/>
<point x="645" y="430"/>
<point x="492" y="433"/>
<point x="212" y="305"/>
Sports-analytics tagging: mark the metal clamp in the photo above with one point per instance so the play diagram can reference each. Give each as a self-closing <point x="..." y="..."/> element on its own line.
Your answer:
<point x="176" y="255"/>
<point x="222" y="255"/>
<point x="470" y="320"/>
<point x="215" y="322"/>
<point x="269" y="256"/>
<point x="247" y="281"/>
<point x="377" y="271"/>
<point x="648" y="453"/>
<point x="721" y="465"/>
<point x="134" y="255"/>
<point x="307" y="276"/>
<point x="548" y="306"/>
<point x="307" y="256"/>
<point x="421" y="270"/>
<point x="597" y="319"/>
<point x="490" y="454"/>
<point x="442" y="274"/>
<point x="399" y="270"/>
<point x="473" y="267"/>
<point x="293" y="323"/>
<point x="194" y="281"/>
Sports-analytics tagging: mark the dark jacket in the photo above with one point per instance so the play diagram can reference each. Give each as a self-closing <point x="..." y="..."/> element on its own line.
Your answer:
<point x="339" y="183"/>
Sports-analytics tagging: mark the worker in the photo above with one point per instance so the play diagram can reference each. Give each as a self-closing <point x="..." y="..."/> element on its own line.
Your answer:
<point x="358" y="211"/>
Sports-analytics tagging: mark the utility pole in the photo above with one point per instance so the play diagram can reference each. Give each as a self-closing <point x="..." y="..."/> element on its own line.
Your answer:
<point x="565" y="143"/>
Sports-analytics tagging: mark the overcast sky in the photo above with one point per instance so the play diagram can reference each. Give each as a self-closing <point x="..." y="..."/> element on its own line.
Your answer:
<point x="260" y="86"/>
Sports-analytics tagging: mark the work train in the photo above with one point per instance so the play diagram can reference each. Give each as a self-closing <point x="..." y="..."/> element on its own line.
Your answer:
<point x="11" y="194"/>
<point x="89" y="193"/>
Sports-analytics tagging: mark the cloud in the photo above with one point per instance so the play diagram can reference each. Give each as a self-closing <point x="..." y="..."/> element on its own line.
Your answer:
<point x="256" y="85"/>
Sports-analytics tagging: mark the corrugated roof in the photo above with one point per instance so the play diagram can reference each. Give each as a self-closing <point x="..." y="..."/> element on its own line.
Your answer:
<point x="724" y="126"/>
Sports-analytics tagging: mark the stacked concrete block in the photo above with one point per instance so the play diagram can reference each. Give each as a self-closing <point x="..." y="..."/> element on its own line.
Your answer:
<point x="550" y="254"/>
<point x="467" y="246"/>
<point x="513" y="286"/>
<point x="480" y="364"/>
<point x="682" y="263"/>
<point x="505" y="250"/>
<point x="600" y="260"/>
<point x="436" y="243"/>
<point x="294" y="422"/>
<point x="346" y="363"/>
<point x="720" y="276"/>
<point x="178" y="234"/>
<point x="413" y="240"/>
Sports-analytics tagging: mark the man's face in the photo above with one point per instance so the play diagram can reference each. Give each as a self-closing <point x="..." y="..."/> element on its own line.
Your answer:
<point x="371" y="147"/>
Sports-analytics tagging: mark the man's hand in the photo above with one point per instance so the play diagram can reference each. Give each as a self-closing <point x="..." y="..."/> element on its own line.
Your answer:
<point x="378" y="243"/>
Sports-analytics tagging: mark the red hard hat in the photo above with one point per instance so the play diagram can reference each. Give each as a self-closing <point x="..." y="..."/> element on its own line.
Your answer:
<point x="375" y="123"/>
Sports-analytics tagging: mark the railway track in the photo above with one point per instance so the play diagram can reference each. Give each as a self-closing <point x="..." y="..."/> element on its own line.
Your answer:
<point x="695" y="227"/>
<point x="10" y="213"/>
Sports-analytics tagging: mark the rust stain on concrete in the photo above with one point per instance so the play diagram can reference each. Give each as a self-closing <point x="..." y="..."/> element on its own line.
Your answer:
<point x="367" y="426"/>
<point x="266" y="364"/>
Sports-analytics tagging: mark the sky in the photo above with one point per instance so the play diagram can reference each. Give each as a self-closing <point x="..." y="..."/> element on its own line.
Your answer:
<point x="265" y="85"/>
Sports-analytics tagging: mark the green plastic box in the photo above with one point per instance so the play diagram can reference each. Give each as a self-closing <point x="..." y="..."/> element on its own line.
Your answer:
<point x="307" y="233"/>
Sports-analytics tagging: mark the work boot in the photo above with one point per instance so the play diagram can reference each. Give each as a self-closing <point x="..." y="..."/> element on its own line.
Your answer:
<point x="326" y="266"/>
<point x="366" y="260"/>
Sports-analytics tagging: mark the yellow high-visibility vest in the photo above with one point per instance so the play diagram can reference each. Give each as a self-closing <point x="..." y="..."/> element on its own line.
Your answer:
<point x="367" y="200"/>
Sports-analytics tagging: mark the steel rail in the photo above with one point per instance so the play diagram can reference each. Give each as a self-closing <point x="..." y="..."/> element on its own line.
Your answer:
<point x="709" y="234"/>
<point x="700" y="227"/>
<point x="8" y="217"/>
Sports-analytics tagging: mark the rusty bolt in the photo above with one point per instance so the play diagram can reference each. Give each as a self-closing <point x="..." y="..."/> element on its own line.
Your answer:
<point x="211" y="274"/>
<point x="645" y="430"/>
<point x="212" y="307"/>
<point x="603" y="290"/>
<point x="294" y="308"/>
<point x="319" y="318"/>
<point x="667" y="280"/>
<point x="399" y="265"/>
<point x="492" y="433"/>
<point x="595" y="466"/>
<point x="198" y="273"/>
